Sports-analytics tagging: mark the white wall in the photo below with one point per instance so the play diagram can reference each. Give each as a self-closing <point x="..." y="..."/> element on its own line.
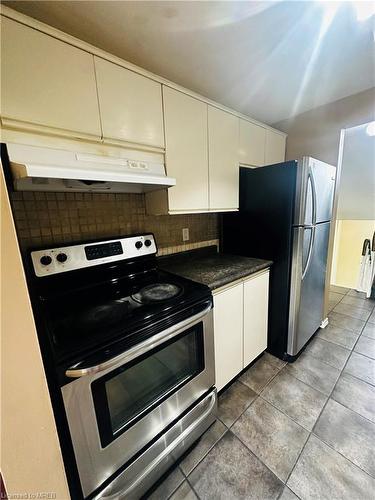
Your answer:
<point x="349" y="238"/>
<point x="31" y="460"/>
<point x="356" y="205"/>
<point x="357" y="183"/>
<point x="317" y="132"/>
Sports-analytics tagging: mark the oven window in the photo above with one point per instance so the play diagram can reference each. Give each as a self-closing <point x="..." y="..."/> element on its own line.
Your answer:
<point x="125" y="395"/>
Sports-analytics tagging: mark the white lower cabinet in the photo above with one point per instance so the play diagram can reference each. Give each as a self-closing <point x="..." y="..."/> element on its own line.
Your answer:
<point x="255" y="317"/>
<point x="240" y="325"/>
<point x="228" y="328"/>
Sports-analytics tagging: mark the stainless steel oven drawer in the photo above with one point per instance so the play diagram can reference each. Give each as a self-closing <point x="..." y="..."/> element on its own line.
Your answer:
<point x="135" y="480"/>
<point x="87" y="400"/>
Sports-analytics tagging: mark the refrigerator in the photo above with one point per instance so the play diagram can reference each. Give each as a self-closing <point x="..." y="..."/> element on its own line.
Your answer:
<point x="285" y="215"/>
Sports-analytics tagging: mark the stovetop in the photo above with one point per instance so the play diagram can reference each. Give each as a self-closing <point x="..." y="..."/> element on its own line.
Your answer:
<point x="82" y="320"/>
<point x="118" y="302"/>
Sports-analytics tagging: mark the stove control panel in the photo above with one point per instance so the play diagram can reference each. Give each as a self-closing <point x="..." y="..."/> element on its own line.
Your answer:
<point x="59" y="260"/>
<point x="103" y="250"/>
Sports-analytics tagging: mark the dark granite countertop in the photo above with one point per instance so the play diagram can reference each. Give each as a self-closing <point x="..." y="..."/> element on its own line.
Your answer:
<point x="211" y="268"/>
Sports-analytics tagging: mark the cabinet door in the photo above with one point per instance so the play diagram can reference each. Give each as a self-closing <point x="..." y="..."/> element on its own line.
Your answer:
<point x="275" y="147"/>
<point x="255" y="317"/>
<point x="252" y="143"/>
<point x="228" y="328"/>
<point x="131" y="107"/>
<point x="186" y="150"/>
<point x="223" y="138"/>
<point x="47" y="82"/>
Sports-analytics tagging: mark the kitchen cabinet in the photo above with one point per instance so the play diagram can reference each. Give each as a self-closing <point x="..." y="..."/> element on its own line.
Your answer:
<point x="228" y="332"/>
<point x="53" y="91"/>
<point x="240" y="325"/>
<point x="255" y="319"/>
<point x="201" y="153"/>
<point x="46" y="83"/>
<point x="186" y="151"/>
<point x="223" y="137"/>
<point x="130" y="105"/>
<point x="252" y="144"/>
<point x="275" y="147"/>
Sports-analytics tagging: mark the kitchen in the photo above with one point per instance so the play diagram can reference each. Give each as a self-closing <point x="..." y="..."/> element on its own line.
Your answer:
<point x="124" y="198"/>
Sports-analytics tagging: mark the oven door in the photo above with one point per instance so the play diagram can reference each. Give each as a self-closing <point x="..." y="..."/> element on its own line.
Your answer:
<point x="116" y="408"/>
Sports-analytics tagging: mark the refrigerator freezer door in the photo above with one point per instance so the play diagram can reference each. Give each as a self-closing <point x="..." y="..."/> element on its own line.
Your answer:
<point x="323" y="177"/>
<point x="314" y="192"/>
<point x="305" y="199"/>
<point x="309" y="261"/>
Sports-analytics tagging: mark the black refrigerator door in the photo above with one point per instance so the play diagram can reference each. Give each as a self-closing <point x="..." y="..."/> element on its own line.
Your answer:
<point x="263" y="229"/>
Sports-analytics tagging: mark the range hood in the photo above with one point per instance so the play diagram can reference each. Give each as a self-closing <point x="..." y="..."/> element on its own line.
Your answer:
<point x="43" y="169"/>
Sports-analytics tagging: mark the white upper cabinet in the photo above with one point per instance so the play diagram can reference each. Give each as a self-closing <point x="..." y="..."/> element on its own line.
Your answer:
<point x="130" y="105"/>
<point x="252" y="144"/>
<point x="223" y="139"/>
<point x="186" y="151"/>
<point x="275" y="147"/>
<point x="46" y="82"/>
<point x="52" y="89"/>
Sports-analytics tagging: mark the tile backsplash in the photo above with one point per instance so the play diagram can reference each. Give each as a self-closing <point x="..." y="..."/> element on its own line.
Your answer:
<point x="57" y="218"/>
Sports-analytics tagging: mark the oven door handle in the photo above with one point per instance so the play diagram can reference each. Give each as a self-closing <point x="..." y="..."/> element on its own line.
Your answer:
<point x="138" y="349"/>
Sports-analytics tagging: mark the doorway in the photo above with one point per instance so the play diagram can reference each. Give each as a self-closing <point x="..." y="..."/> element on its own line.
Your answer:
<point x="355" y="218"/>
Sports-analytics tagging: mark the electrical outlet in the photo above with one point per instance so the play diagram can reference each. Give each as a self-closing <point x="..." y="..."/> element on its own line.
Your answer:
<point x="185" y="234"/>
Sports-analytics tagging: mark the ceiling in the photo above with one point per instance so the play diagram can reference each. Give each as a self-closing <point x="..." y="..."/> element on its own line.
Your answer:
<point x="271" y="60"/>
<point x="357" y="183"/>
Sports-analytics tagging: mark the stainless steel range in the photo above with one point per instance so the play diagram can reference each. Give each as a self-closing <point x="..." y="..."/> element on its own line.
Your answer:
<point x="133" y="352"/>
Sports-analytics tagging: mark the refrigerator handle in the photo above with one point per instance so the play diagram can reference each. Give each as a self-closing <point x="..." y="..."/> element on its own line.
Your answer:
<point x="311" y="246"/>
<point x="313" y="194"/>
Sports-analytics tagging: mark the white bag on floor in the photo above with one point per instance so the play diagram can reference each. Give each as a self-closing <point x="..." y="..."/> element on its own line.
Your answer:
<point x="372" y="276"/>
<point x="366" y="269"/>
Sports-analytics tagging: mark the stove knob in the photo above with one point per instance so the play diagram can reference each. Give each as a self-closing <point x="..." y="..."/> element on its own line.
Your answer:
<point x="148" y="243"/>
<point x="61" y="257"/>
<point x="45" y="260"/>
<point x="138" y="245"/>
